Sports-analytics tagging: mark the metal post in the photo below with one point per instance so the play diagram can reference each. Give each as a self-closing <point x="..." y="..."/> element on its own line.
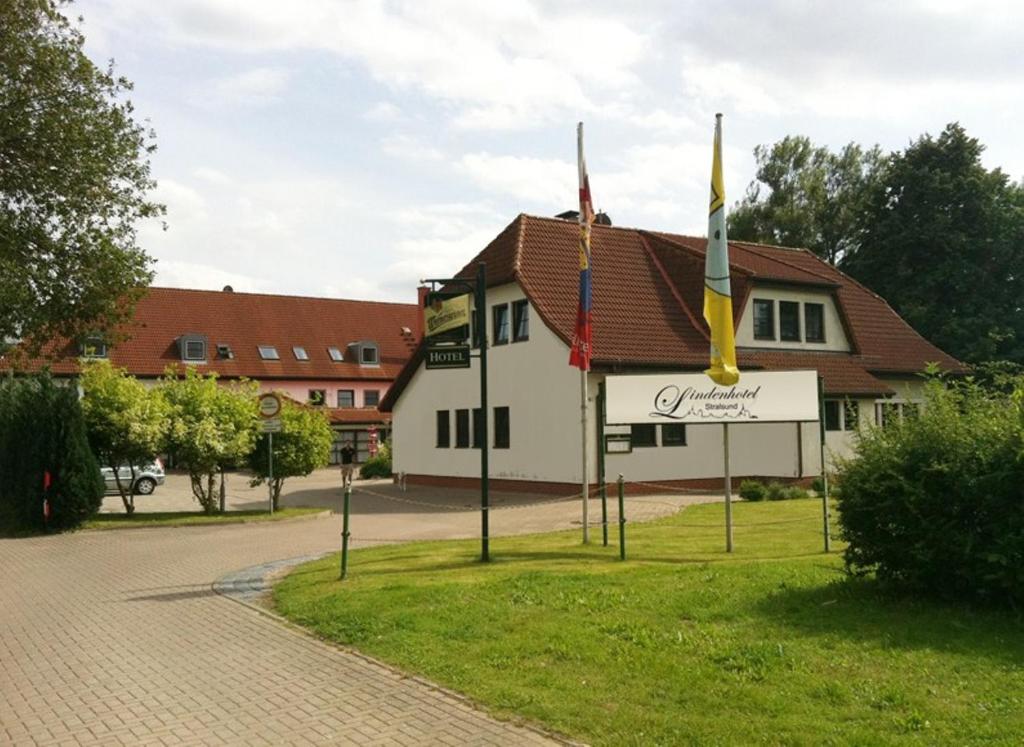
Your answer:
<point x="728" y="489"/>
<point x="824" y="472"/>
<point x="583" y="440"/>
<point x="601" y="484"/>
<point x="270" y="469"/>
<point x="481" y="326"/>
<point x="622" y="518"/>
<point x="345" y="532"/>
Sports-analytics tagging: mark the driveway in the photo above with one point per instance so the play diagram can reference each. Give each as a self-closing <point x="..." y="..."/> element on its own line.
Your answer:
<point x="116" y="637"/>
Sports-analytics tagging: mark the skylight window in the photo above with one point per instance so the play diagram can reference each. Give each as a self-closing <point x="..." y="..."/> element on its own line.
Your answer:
<point x="300" y="353"/>
<point x="335" y="354"/>
<point x="269" y="353"/>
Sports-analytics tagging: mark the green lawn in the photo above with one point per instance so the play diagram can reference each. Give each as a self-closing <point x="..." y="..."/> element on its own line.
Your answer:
<point x="191" y="518"/>
<point x="681" y="644"/>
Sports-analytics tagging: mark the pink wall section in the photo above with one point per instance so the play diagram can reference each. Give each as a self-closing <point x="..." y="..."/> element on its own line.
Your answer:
<point x="299" y="390"/>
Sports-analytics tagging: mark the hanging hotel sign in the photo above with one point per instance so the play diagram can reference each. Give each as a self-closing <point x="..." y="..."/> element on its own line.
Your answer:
<point x="448" y="356"/>
<point x="761" y="397"/>
<point x="442" y="313"/>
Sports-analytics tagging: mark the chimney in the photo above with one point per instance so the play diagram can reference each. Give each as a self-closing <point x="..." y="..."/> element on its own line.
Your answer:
<point x="421" y="301"/>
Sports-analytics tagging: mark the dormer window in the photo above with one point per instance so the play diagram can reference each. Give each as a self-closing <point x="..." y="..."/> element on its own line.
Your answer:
<point x="93" y="347"/>
<point x="365" y="351"/>
<point x="300" y="353"/>
<point x="335" y="354"/>
<point x="192" y="348"/>
<point x="268" y="353"/>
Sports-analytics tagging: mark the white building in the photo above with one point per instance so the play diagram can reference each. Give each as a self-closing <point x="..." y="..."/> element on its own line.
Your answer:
<point x="793" y="311"/>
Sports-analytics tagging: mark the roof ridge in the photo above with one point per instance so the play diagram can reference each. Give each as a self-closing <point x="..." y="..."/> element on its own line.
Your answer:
<point x="520" y="239"/>
<point x="664" y="237"/>
<point x="275" y="295"/>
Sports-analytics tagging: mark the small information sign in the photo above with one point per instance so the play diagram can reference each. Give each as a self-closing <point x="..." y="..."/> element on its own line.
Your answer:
<point x="270" y="425"/>
<point x="448" y="356"/>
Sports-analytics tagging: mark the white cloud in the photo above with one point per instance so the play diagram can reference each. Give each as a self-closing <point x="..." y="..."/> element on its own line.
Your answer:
<point x="409" y="147"/>
<point x="531" y="180"/>
<point x="383" y="111"/>
<point x="257" y="87"/>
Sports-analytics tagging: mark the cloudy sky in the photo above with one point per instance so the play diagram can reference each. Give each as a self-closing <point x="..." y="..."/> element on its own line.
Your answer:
<point x="349" y="148"/>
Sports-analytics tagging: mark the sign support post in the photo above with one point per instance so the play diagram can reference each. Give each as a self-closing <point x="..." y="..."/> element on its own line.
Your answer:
<point x="583" y="439"/>
<point x="602" y="485"/>
<point x="270" y="470"/>
<point x="728" y="489"/>
<point x="824" y="472"/>
<point x="454" y="357"/>
<point x="270" y="408"/>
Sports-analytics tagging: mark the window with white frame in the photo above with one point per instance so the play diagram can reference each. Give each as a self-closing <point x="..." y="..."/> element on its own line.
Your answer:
<point x="268" y="353"/>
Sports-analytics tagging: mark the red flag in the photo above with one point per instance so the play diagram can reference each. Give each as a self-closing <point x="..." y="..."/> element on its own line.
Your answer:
<point x="579" y="355"/>
<point x="47" y="481"/>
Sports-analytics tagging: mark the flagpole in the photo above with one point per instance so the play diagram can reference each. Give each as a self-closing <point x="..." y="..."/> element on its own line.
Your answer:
<point x="585" y="485"/>
<point x="585" y="481"/>
<point x="728" y="488"/>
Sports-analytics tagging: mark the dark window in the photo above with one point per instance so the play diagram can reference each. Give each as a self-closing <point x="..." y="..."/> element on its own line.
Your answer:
<point x="444" y="429"/>
<point x="789" y="321"/>
<point x="643" y="434"/>
<point x="94" y="347"/>
<point x="462" y="429"/>
<point x="814" y="322"/>
<point x="886" y="413"/>
<point x="478" y="428"/>
<point x="269" y="353"/>
<point x="368" y="355"/>
<point x="195" y="350"/>
<point x="764" y="319"/>
<point x="500" y="323"/>
<point x="502" y="432"/>
<point x="371" y="397"/>
<point x="346" y="398"/>
<point x="673" y="434"/>
<point x="520" y="321"/>
<point x="317" y="397"/>
<point x="832" y="415"/>
<point x="851" y="415"/>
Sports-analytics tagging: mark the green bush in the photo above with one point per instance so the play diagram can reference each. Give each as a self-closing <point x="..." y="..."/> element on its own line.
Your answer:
<point x="379" y="465"/>
<point x="935" y="503"/>
<point x="794" y="493"/>
<point x="775" y="491"/>
<point x="752" y="490"/>
<point x="42" y="431"/>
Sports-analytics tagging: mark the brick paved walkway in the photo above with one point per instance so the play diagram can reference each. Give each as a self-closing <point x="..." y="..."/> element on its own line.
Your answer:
<point x="117" y="638"/>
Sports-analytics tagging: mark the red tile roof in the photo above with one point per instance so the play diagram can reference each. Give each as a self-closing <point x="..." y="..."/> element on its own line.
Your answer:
<point x="244" y="321"/>
<point x="648" y="298"/>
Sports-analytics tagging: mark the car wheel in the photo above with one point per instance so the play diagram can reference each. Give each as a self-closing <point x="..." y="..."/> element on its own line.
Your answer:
<point x="145" y="485"/>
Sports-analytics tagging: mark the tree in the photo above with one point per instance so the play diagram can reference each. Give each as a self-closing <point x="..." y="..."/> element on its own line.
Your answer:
<point x="126" y="422"/>
<point x="942" y="239"/>
<point x="211" y="427"/>
<point x="74" y="178"/>
<point x="805" y="196"/>
<point x="49" y="478"/>
<point x="303" y="445"/>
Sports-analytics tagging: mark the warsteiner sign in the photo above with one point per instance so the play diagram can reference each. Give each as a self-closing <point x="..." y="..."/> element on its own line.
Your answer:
<point x="443" y="314"/>
<point x="762" y="397"/>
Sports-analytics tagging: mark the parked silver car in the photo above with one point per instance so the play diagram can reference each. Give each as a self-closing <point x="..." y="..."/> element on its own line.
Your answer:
<point x="147" y="477"/>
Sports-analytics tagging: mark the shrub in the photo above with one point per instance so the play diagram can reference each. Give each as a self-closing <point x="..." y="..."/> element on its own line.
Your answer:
<point x="775" y="491"/>
<point x="794" y="493"/>
<point x="378" y="465"/>
<point x="42" y="431"/>
<point x="935" y="503"/>
<point x="752" y="490"/>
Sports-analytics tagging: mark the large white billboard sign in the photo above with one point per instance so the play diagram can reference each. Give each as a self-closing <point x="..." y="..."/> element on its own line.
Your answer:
<point x="762" y="397"/>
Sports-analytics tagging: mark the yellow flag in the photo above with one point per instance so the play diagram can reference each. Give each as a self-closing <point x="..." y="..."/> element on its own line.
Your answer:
<point x="717" y="290"/>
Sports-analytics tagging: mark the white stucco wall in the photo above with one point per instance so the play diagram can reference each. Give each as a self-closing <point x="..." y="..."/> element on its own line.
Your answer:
<point x="534" y="380"/>
<point x="835" y="335"/>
